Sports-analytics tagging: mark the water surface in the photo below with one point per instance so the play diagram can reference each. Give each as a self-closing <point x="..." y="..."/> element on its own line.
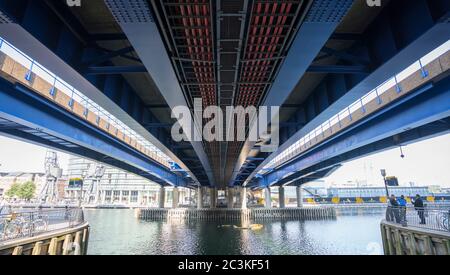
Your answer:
<point x="119" y="232"/>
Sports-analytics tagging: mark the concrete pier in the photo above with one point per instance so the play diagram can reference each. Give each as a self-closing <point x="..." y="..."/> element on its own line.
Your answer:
<point x="312" y="213"/>
<point x="212" y="197"/>
<point x="162" y="197"/>
<point x="200" y="197"/>
<point x="175" y="197"/>
<point x="299" y="192"/>
<point x="281" y="198"/>
<point x="267" y="198"/>
<point x="244" y="198"/>
<point x="230" y="197"/>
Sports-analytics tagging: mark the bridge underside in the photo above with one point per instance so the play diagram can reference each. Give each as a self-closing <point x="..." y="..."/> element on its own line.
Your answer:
<point x="27" y="116"/>
<point x="420" y="115"/>
<point x="138" y="59"/>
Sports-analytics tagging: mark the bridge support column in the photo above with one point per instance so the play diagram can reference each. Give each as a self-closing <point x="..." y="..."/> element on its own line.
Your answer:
<point x="230" y="197"/>
<point x="243" y="198"/>
<point x="281" y="197"/>
<point x="162" y="197"/>
<point x="199" y="197"/>
<point x="175" y="197"/>
<point x="299" y="196"/>
<point x="212" y="197"/>
<point x="267" y="198"/>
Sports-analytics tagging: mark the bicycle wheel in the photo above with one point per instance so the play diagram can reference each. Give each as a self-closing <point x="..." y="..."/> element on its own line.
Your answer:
<point x="11" y="231"/>
<point x="40" y="225"/>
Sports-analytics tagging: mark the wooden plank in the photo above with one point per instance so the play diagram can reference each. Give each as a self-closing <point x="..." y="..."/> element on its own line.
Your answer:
<point x="18" y="250"/>
<point x="53" y="247"/>
<point x="37" y="249"/>
<point x="67" y="244"/>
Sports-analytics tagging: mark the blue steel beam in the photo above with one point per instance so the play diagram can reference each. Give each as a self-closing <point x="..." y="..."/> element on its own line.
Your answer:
<point x="339" y="69"/>
<point x="108" y="70"/>
<point x="319" y="25"/>
<point x="137" y="22"/>
<point x="108" y="56"/>
<point x="47" y="31"/>
<point x="426" y="131"/>
<point x="402" y="33"/>
<point x="424" y="106"/>
<point x="24" y="107"/>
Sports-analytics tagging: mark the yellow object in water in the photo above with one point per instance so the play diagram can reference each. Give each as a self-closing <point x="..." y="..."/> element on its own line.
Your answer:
<point x="256" y="226"/>
<point x="251" y="226"/>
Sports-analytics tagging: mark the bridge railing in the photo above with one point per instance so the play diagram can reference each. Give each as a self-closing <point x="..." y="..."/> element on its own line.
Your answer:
<point x="75" y="100"/>
<point x="437" y="219"/>
<point x="17" y="225"/>
<point x="400" y="84"/>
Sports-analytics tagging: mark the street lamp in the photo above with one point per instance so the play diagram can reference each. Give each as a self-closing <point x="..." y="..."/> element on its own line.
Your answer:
<point x="83" y="176"/>
<point x="383" y="174"/>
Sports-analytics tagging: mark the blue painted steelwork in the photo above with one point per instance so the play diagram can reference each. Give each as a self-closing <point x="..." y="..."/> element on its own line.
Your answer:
<point x="49" y="32"/>
<point x="401" y="34"/>
<point x="109" y="70"/>
<point x="320" y="23"/>
<point x="428" y="108"/>
<point x="137" y="21"/>
<point x="33" y="118"/>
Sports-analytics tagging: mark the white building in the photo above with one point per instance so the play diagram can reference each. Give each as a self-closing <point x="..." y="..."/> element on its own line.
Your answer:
<point x="118" y="187"/>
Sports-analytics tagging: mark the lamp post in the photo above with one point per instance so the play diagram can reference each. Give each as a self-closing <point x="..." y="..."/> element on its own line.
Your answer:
<point x="83" y="176"/>
<point x="383" y="174"/>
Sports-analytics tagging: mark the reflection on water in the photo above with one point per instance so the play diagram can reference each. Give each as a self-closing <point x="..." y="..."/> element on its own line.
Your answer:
<point x="119" y="232"/>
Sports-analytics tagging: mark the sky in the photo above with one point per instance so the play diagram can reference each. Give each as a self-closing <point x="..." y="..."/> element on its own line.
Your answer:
<point x="426" y="162"/>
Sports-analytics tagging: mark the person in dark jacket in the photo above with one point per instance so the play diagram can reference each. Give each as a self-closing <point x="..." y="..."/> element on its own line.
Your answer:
<point x="419" y="206"/>
<point x="392" y="210"/>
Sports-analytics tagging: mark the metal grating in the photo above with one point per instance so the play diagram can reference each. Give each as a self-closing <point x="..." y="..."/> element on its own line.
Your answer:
<point x="328" y="11"/>
<point x="269" y="36"/>
<point x="130" y="11"/>
<point x="5" y="19"/>
<point x="228" y="53"/>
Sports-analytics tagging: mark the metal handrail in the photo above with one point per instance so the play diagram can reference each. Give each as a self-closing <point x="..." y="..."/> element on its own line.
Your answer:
<point x="420" y="217"/>
<point x="18" y="225"/>
<point x="359" y="105"/>
<point x="75" y="95"/>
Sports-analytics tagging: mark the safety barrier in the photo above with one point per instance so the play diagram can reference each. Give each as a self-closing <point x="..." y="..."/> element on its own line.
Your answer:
<point x="418" y="74"/>
<point x="17" y="67"/>
<point x="313" y="213"/>
<point x="400" y="240"/>
<point x="73" y="241"/>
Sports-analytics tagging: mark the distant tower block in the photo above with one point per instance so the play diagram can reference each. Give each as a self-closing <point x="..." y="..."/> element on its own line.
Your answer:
<point x="52" y="173"/>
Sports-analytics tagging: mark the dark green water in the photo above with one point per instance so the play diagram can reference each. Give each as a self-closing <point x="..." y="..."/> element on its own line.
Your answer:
<point x="119" y="232"/>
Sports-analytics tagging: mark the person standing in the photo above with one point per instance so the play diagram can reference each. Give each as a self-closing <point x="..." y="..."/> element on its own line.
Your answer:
<point x="402" y="210"/>
<point x="419" y="206"/>
<point x="392" y="210"/>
